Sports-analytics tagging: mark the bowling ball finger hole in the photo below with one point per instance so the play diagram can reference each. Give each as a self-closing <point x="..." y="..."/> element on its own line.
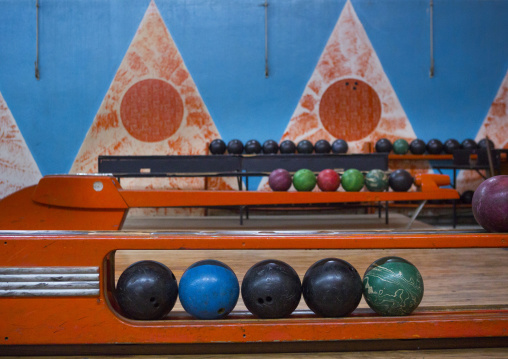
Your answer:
<point x="260" y="300"/>
<point x="221" y="311"/>
<point x="268" y="299"/>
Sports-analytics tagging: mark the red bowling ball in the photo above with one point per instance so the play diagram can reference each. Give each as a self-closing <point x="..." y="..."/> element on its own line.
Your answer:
<point x="328" y="180"/>
<point x="490" y="204"/>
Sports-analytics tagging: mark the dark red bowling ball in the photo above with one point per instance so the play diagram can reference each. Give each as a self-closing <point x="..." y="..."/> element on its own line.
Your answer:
<point x="383" y="145"/>
<point x="270" y="147"/>
<point x="235" y="147"/>
<point x="252" y="147"/>
<point x="328" y="180"/>
<point x="146" y="290"/>
<point x="332" y="288"/>
<point x="490" y="204"/>
<point x="287" y="147"/>
<point x="451" y="145"/>
<point x="305" y="147"/>
<point x="322" y="146"/>
<point x="271" y="289"/>
<point x="217" y="147"/>
<point x="400" y="180"/>
<point x="339" y="146"/>
<point x="417" y="147"/>
<point x="434" y="147"/>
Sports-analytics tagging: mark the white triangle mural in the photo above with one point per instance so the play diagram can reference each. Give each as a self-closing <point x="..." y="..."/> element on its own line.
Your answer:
<point x="17" y="165"/>
<point x="349" y="95"/>
<point x="495" y="127"/>
<point x="152" y="107"/>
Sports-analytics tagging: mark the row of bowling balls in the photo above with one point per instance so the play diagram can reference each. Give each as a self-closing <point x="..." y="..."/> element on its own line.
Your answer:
<point x="352" y="180"/>
<point x="236" y="147"/>
<point x="209" y="289"/>
<point x="433" y="147"/>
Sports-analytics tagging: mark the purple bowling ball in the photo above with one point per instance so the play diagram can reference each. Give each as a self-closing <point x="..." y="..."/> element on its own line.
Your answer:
<point x="280" y="180"/>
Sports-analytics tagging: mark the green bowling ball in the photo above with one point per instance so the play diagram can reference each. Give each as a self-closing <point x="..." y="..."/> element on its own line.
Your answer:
<point x="376" y="181"/>
<point x="400" y="147"/>
<point x="304" y="180"/>
<point x="352" y="180"/>
<point x="392" y="286"/>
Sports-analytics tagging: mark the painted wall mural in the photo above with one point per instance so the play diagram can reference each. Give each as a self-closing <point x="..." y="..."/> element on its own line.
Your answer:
<point x="495" y="127"/>
<point x="152" y="108"/>
<point x="17" y="166"/>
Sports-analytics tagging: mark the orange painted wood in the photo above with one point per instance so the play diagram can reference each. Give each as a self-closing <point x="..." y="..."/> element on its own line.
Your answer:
<point x="65" y="320"/>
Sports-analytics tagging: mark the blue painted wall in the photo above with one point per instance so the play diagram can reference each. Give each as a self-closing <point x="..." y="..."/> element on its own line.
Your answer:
<point x="82" y="43"/>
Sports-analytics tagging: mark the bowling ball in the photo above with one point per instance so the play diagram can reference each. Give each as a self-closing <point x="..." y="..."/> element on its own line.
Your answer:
<point x="328" y="180"/>
<point x="271" y="289"/>
<point x="339" y="146"/>
<point x="417" y="147"/>
<point x="483" y="144"/>
<point x="400" y="146"/>
<point x="451" y="145"/>
<point x="209" y="289"/>
<point x="392" y="286"/>
<point x="252" y="147"/>
<point x="322" y="146"/>
<point x="332" y="288"/>
<point x="400" y="180"/>
<point x="305" y="146"/>
<point x="217" y="147"/>
<point x="490" y="204"/>
<point x="235" y="147"/>
<point x="352" y="180"/>
<point x="146" y="290"/>
<point x="434" y="147"/>
<point x="279" y="180"/>
<point x="469" y="144"/>
<point x="383" y="145"/>
<point x="467" y="197"/>
<point x="304" y="180"/>
<point x="376" y="181"/>
<point x="287" y="146"/>
<point x="270" y="147"/>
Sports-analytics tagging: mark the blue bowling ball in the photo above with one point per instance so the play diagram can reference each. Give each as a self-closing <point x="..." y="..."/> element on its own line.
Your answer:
<point x="209" y="289"/>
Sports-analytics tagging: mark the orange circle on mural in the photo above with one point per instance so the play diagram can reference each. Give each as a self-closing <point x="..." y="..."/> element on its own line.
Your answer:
<point x="151" y="110"/>
<point x="350" y="109"/>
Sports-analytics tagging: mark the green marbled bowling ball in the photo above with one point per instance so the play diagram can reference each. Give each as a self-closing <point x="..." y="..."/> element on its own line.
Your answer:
<point x="400" y="147"/>
<point x="392" y="286"/>
<point x="376" y="181"/>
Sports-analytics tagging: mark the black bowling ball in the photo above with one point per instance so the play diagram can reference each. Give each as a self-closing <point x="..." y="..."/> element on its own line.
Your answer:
<point x="217" y="147"/>
<point x="271" y="289"/>
<point x="400" y="180"/>
<point x="252" y="147"/>
<point x="383" y="145"/>
<point x="305" y="147"/>
<point x="235" y="147"/>
<point x="332" y="288"/>
<point x="146" y="290"/>
<point x="322" y="146"/>
<point x="287" y="146"/>
<point x="482" y="144"/>
<point x="270" y="147"/>
<point x="339" y="146"/>
<point x="467" y="197"/>
<point x="451" y="145"/>
<point x="417" y="147"/>
<point x="469" y="144"/>
<point x="434" y="147"/>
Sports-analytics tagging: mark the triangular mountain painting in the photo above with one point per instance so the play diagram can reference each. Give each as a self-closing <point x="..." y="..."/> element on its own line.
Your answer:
<point x="349" y="95"/>
<point x="17" y="165"/>
<point x="152" y="107"/>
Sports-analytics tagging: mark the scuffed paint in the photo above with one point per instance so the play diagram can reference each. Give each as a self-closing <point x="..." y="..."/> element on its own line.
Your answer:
<point x="370" y="112"/>
<point x="124" y="124"/>
<point x="17" y="166"/>
<point x="495" y="126"/>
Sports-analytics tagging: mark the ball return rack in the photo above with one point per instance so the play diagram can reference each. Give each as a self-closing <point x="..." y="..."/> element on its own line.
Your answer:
<point x="98" y="202"/>
<point x="56" y="298"/>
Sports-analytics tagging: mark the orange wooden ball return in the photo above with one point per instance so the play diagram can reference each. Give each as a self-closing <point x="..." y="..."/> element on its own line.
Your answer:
<point x="91" y="202"/>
